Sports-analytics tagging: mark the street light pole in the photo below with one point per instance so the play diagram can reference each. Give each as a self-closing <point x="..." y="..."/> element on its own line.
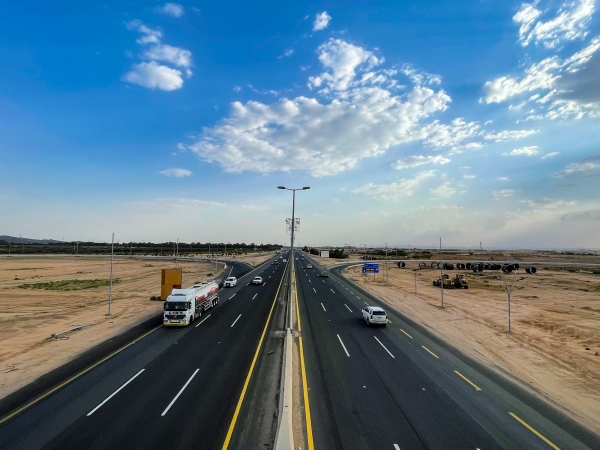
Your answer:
<point x="293" y="221"/>
<point x="112" y="244"/>
<point x="441" y="273"/>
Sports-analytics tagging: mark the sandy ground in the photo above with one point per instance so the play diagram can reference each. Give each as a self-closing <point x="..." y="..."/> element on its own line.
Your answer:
<point x="555" y="341"/>
<point x="29" y="316"/>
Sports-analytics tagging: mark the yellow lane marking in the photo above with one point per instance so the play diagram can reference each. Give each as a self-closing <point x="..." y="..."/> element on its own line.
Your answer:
<point x="430" y="352"/>
<point x="405" y="333"/>
<point x="309" y="433"/>
<point x="526" y="425"/>
<point x="247" y="382"/>
<point x="74" y="377"/>
<point x="477" y="388"/>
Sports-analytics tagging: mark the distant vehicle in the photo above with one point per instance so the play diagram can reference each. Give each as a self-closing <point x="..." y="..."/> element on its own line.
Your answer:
<point x="309" y="266"/>
<point x="285" y="260"/>
<point x="230" y="282"/>
<point x="374" y="315"/>
<point x="296" y="259"/>
<point x="323" y="274"/>
<point x="257" y="280"/>
<point x="183" y="306"/>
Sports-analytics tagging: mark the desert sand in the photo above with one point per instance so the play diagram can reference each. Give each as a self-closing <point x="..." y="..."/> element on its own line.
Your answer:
<point x="554" y="347"/>
<point x="29" y="316"/>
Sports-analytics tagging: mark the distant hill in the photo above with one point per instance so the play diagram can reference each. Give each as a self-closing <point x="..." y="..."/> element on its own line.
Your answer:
<point x="19" y="240"/>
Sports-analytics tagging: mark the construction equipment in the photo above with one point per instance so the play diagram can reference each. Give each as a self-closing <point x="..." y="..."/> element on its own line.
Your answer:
<point x="458" y="282"/>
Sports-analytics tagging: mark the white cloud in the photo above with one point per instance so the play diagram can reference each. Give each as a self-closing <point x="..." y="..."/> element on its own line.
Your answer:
<point x="154" y="76"/>
<point x="444" y="190"/>
<point x="450" y="136"/>
<point x="237" y="88"/>
<point x="527" y="151"/>
<point x="509" y="135"/>
<point x="170" y="9"/>
<point x="286" y="53"/>
<point x="178" y="173"/>
<point x="327" y="135"/>
<point x="538" y="76"/>
<point x="341" y="59"/>
<point x="395" y="191"/>
<point x="419" y="160"/>
<point x="148" y="35"/>
<point x="465" y="167"/>
<point x="468" y="177"/>
<point x="418" y="77"/>
<point x="587" y="167"/>
<point x="569" y="23"/>
<point x="550" y="155"/>
<point x="321" y="21"/>
<point x="503" y="179"/>
<point x="546" y="202"/>
<point x="504" y="193"/>
<point x="174" y="55"/>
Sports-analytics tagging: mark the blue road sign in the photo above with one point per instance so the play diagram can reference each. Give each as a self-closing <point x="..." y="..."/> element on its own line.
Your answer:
<point x="370" y="268"/>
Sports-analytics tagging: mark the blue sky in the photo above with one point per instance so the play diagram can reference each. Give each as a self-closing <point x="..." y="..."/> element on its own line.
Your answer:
<point x="410" y="120"/>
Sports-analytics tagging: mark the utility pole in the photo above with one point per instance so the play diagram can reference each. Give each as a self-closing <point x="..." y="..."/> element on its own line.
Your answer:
<point x="441" y="273"/>
<point x="9" y="246"/>
<point x="508" y="293"/>
<point x="415" y="272"/>
<point x="130" y="248"/>
<point x="111" y="272"/>
<point x="176" y="252"/>
<point x="23" y="248"/>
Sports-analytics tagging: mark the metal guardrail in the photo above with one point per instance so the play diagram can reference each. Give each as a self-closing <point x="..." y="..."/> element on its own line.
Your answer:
<point x="77" y="327"/>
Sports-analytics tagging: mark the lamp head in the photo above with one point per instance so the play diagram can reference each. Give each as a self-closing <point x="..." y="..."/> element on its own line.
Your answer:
<point x="280" y="187"/>
<point x="305" y="188"/>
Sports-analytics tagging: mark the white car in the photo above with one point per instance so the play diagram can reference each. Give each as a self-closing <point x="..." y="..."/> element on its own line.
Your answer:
<point x="230" y="282"/>
<point x="374" y="315"/>
<point x="257" y="280"/>
<point x="284" y="260"/>
<point x="309" y="266"/>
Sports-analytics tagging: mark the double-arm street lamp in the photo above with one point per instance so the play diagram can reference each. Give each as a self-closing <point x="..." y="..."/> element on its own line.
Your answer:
<point x="293" y="211"/>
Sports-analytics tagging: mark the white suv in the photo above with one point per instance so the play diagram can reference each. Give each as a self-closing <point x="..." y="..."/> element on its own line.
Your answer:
<point x="257" y="280"/>
<point x="230" y="282"/>
<point x="374" y="315"/>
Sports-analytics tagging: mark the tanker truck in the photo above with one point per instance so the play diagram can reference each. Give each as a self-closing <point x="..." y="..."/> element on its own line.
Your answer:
<point x="184" y="306"/>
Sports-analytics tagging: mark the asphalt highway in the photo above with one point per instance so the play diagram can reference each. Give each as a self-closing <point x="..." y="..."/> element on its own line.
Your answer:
<point x="395" y="387"/>
<point x="173" y="388"/>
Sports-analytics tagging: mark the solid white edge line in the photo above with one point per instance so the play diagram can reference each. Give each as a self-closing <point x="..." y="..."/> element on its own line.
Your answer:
<point x="323" y="307"/>
<point x="202" y="321"/>
<point x="114" y="393"/>
<point x="343" y="346"/>
<point x="232" y="296"/>
<point x="347" y="307"/>
<point x="179" y="393"/>
<point x="238" y="318"/>
<point x="254" y="296"/>
<point x="384" y="347"/>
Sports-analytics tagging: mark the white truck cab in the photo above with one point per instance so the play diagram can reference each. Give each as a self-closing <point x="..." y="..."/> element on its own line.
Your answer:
<point x="183" y="306"/>
<point x="374" y="315"/>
